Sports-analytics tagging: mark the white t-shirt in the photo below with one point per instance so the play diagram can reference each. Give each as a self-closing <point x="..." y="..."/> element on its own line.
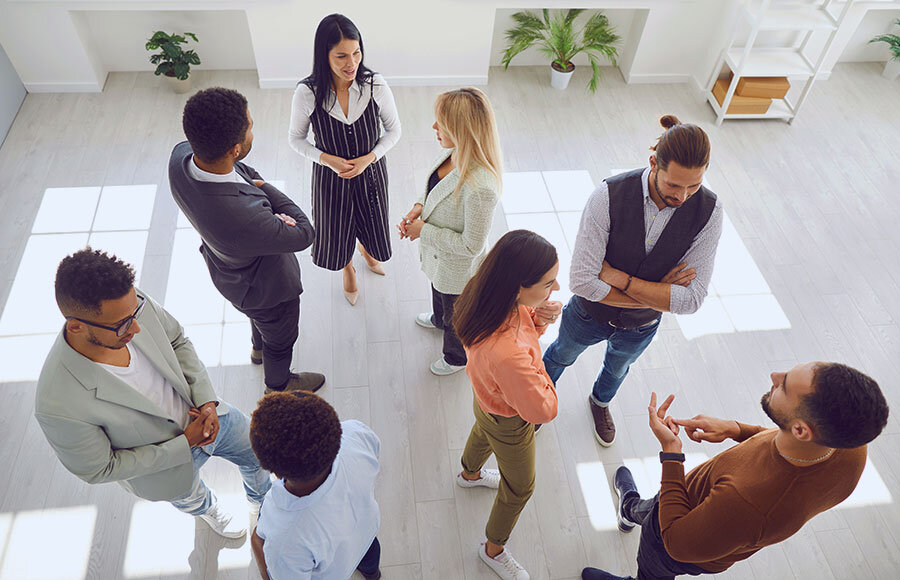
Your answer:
<point x="143" y="377"/>
<point x="324" y="535"/>
<point x="201" y="175"/>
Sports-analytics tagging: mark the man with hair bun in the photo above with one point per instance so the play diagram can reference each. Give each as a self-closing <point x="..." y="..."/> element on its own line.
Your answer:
<point x="762" y="490"/>
<point x="646" y="245"/>
<point x="320" y="519"/>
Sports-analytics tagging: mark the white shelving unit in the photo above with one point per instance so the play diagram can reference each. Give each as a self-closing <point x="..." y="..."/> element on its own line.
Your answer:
<point x="794" y="62"/>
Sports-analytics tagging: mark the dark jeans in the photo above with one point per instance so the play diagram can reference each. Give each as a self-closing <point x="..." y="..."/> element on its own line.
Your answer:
<point x="578" y="330"/>
<point x="454" y="353"/>
<point x="274" y="331"/>
<point x="654" y="563"/>
<point x="369" y="563"/>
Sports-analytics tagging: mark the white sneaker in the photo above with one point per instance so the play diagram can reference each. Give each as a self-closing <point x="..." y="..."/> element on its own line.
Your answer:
<point x="442" y="369"/>
<point x="222" y="523"/>
<point x="254" y="513"/>
<point x="504" y="565"/>
<point x="489" y="478"/>
<point x="424" y="320"/>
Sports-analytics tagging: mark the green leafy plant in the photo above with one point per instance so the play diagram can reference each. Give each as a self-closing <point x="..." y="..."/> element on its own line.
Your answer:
<point x="892" y="40"/>
<point x="556" y="37"/>
<point x="172" y="61"/>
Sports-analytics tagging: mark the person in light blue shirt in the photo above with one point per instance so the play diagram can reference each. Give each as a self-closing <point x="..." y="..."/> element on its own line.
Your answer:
<point x="319" y="520"/>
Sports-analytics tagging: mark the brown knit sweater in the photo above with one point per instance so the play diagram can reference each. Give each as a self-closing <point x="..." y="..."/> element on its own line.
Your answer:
<point x="747" y="498"/>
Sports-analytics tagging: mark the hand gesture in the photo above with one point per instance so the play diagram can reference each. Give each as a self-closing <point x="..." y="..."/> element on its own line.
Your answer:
<point x="357" y="166"/>
<point x="710" y="429"/>
<point x="204" y="426"/>
<point x="414" y="229"/>
<point x="337" y="164"/>
<point x="411" y="216"/>
<point x="547" y="312"/>
<point x="664" y="428"/>
<point x="258" y="182"/>
<point x="286" y="219"/>
<point x="680" y="275"/>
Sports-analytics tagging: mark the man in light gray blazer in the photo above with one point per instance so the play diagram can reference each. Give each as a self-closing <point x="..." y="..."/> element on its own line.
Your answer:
<point x="123" y="396"/>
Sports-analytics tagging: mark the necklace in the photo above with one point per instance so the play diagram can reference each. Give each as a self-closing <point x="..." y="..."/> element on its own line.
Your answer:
<point x="816" y="460"/>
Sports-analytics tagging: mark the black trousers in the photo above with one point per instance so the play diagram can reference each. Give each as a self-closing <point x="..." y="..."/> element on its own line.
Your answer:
<point x="369" y="563"/>
<point x="454" y="353"/>
<point x="274" y="331"/>
<point x="654" y="563"/>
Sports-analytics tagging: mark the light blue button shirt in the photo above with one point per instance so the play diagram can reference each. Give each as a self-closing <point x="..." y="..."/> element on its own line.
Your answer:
<point x="325" y="534"/>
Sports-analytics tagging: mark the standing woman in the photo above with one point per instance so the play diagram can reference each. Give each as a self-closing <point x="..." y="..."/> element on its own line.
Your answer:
<point x="453" y="217"/>
<point x="499" y="316"/>
<point x="347" y="105"/>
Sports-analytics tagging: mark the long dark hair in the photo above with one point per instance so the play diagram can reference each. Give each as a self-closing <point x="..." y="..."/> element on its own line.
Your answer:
<point x="332" y="29"/>
<point x="520" y="258"/>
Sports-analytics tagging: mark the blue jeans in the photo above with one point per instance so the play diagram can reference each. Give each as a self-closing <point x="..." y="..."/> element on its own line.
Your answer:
<point x="578" y="330"/>
<point x="233" y="444"/>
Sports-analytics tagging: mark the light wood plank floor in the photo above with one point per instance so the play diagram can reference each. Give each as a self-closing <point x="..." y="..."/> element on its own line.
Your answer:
<point x="810" y="201"/>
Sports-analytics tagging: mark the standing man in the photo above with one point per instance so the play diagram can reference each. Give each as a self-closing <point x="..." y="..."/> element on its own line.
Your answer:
<point x="646" y="245"/>
<point x="123" y="397"/>
<point x="761" y="491"/>
<point x="250" y="230"/>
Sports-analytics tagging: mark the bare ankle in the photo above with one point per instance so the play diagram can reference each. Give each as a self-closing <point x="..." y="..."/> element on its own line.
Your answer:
<point x="471" y="476"/>
<point x="492" y="550"/>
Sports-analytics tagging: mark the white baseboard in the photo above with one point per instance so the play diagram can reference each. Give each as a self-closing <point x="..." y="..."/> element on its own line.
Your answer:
<point x="396" y="81"/>
<point x="699" y="89"/>
<point x="652" y="79"/>
<point x="63" y="87"/>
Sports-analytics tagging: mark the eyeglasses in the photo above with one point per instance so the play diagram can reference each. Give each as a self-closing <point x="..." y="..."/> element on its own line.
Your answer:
<point x="123" y="327"/>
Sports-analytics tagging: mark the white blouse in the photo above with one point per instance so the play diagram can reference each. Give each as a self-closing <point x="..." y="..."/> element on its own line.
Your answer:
<point x="304" y="103"/>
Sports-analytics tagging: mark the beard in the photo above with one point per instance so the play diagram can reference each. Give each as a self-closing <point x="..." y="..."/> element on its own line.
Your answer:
<point x="97" y="342"/>
<point x="780" y="420"/>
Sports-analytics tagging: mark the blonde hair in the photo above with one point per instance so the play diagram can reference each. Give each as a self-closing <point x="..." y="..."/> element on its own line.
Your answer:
<point x="465" y="115"/>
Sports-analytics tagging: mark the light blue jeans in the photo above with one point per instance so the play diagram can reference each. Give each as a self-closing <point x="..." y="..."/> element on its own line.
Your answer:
<point x="233" y="444"/>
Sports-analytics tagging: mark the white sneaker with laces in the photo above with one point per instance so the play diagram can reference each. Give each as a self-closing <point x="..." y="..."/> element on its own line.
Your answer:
<point x="504" y="565"/>
<point x="254" y="513"/>
<point x="442" y="369"/>
<point x="222" y="522"/>
<point x="423" y="319"/>
<point x="489" y="478"/>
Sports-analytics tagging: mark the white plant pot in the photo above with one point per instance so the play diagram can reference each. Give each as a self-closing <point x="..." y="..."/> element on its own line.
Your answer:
<point x="891" y="69"/>
<point x="178" y="86"/>
<point x="560" y="80"/>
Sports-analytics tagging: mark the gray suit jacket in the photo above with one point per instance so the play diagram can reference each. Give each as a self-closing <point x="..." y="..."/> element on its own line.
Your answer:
<point x="453" y="241"/>
<point x="249" y="251"/>
<point x="103" y="430"/>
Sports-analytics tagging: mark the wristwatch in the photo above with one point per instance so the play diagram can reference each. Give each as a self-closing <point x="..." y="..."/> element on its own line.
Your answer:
<point x="663" y="456"/>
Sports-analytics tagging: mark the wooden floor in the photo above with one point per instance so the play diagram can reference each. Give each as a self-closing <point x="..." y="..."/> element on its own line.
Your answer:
<point x="811" y="201"/>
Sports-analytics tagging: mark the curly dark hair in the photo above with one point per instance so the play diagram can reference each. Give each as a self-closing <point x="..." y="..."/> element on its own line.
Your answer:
<point x="87" y="278"/>
<point x="295" y="435"/>
<point x="846" y="408"/>
<point x="214" y="121"/>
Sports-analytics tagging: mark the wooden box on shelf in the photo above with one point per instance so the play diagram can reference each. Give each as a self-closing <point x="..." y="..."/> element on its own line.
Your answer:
<point x="740" y="105"/>
<point x="763" y="87"/>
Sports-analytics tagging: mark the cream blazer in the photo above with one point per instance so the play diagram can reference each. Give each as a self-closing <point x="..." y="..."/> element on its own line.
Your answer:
<point x="453" y="241"/>
<point x="103" y="430"/>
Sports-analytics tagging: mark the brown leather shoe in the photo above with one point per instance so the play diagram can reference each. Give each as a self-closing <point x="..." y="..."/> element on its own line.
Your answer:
<point x="604" y="428"/>
<point x="255" y="356"/>
<point x="301" y="382"/>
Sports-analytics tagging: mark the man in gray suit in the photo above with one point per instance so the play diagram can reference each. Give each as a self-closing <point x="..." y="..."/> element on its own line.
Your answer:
<point x="250" y="230"/>
<point x="123" y="396"/>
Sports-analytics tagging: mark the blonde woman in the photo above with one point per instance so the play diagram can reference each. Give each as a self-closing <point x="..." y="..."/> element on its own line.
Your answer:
<point x="453" y="217"/>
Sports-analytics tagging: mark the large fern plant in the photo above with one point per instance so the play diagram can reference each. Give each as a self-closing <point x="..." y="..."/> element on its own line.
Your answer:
<point x="556" y="37"/>
<point x="893" y="42"/>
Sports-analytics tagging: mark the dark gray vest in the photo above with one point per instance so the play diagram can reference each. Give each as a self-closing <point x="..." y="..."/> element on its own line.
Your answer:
<point x="625" y="248"/>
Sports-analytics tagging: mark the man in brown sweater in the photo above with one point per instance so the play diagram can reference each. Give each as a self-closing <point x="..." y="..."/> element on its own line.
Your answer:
<point x="761" y="491"/>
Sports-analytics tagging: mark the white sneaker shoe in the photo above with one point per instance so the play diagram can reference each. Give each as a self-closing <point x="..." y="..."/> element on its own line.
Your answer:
<point x="489" y="478"/>
<point x="442" y="369"/>
<point x="222" y="523"/>
<point x="424" y="320"/>
<point x="504" y="565"/>
<point x="254" y="513"/>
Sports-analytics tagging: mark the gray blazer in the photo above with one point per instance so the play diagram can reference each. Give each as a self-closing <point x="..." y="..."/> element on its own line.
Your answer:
<point x="453" y="241"/>
<point x="103" y="430"/>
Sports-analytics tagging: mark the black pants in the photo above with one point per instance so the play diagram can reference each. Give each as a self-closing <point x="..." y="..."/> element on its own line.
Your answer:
<point x="274" y="331"/>
<point x="369" y="563"/>
<point x="654" y="563"/>
<point x="454" y="353"/>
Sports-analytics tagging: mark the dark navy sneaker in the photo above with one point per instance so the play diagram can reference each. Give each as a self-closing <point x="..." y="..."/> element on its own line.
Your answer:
<point x="624" y="484"/>
<point x="597" y="574"/>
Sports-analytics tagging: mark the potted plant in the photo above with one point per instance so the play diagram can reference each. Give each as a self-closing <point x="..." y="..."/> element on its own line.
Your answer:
<point x="173" y="62"/>
<point x="556" y="37"/>
<point x="892" y="66"/>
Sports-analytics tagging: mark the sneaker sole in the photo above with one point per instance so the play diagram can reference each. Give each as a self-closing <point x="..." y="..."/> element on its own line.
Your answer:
<point x="445" y="374"/>
<point x="601" y="441"/>
<point x="423" y="325"/>
<point x="624" y="525"/>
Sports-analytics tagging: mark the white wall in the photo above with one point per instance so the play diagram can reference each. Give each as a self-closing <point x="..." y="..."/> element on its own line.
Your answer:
<point x="874" y="23"/>
<point x="12" y="93"/>
<point x="118" y="37"/>
<point x="619" y="19"/>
